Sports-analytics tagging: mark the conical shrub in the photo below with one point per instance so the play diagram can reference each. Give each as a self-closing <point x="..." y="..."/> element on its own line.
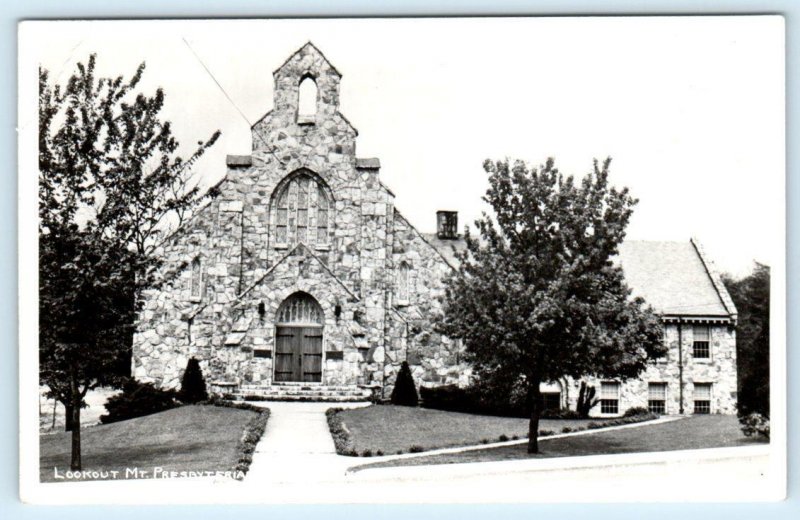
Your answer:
<point x="193" y="384"/>
<point x="405" y="392"/>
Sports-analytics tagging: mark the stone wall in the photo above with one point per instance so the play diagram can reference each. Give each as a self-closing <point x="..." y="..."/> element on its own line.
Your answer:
<point x="244" y="267"/>
<point x="720" y="370"/>
<point x="434" y="358"/>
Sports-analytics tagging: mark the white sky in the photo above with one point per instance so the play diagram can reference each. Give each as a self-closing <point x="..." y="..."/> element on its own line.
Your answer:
<point x="690" y="109"/>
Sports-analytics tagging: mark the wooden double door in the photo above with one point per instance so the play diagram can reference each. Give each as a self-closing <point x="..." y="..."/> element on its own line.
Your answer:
<point x="298" y="354"/>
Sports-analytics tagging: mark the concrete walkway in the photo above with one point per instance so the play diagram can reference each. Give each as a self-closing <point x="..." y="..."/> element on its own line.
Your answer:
<point x="297" y="446"/>
<point x="297" y="451"/>
<point x="297" y="439"/>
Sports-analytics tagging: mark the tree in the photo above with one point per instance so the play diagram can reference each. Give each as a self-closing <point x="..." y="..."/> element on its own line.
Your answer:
<point x="110" y="185"/>
<point x="586" y="400"/>
<point x="751" y="297"/>
<point x="538" y="296"/>
<point x="193" y="384"/>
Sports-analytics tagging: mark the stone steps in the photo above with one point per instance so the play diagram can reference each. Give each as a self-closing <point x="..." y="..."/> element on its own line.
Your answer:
<point x="302" y="392"/>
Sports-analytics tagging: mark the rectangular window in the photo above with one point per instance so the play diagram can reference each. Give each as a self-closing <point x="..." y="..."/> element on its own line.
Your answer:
<point x="551" y="401"/>
<point x="700" y="348"/>
<point x="702" y="398"/>
<point x="657" y="397"/>
<point x="609" y="397"/>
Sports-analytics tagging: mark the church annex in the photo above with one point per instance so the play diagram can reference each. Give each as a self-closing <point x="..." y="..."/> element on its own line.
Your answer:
<point x="301" y="276"/>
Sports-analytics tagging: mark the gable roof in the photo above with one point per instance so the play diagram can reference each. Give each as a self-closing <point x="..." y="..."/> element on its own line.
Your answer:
<point x="446" y="246"/>
<point x="675" y="278"/>
<point x="316" y="50"/>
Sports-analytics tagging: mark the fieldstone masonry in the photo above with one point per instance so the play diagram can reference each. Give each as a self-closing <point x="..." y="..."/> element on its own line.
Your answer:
<point x="304" y="215"/>
<point x="346" y="263"/>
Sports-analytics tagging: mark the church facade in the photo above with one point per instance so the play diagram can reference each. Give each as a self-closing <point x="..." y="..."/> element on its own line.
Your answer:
<point x="300" y="272"/>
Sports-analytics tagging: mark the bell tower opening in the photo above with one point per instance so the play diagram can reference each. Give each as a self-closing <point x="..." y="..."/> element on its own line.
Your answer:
<point x="307" y="100"/>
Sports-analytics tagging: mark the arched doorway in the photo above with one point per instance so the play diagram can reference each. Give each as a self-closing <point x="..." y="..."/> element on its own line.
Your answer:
<point x="298" y="340"/>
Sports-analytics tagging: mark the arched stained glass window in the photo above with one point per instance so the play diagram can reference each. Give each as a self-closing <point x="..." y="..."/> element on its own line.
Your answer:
<point x="300" y="308"/>
<point x="303" y="213"/>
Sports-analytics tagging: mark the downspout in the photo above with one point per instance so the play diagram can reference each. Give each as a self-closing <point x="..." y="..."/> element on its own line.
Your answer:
<point x="386" y="302"/>
<point x="680" y="364"/>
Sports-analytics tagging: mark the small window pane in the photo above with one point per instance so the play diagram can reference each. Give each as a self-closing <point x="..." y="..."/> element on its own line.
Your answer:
<point x="702" y="391"/>
<point x="281" y="234"/>
<point x="609" y="390"/>
<point x="701" y="350"/>
<point x="657" y="406"/>
<point x="701" y="333"/>
<point x="609" y="406"/>
<point x="657" y="390"/>
<point x="702" y="407"/>
<point x="282" y="216"/>
<point x="302" y="197"/>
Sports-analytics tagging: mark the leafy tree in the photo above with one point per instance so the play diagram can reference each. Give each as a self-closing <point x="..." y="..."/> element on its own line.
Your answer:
<point x="538" y="297"/>
<point x="751" y="297"/>
<point x="110" y="185"/>
<point x="193" y="384"/>
<point x="405" y="391"/>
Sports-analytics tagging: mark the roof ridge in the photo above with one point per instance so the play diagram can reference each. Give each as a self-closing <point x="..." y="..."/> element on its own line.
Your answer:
<point x="716" y="281"/>
<point x="424" y="239"/>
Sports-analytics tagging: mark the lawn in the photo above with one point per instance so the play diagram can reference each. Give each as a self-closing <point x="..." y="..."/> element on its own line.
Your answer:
<point x="396" y="428"/>
<point x="702" y="431"/>
<point x="196" y="438"/>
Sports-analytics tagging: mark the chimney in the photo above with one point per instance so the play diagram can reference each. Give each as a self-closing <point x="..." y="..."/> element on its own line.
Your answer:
<point x="447" y="225"/>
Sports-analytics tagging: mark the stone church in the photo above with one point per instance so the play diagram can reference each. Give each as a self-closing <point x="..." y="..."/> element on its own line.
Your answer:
<point x="301" y="279"/>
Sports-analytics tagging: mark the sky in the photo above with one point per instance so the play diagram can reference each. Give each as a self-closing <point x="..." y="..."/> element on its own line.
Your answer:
<point x="691" y="110"/>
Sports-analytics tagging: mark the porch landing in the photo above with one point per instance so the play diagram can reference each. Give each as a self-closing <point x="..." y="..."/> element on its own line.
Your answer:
<point x="304" y="392"/>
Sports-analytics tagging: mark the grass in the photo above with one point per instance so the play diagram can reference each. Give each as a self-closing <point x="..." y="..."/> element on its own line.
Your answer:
<point x="390" y="429"/>
<point x="697" y="432"/>
<point x="188" y="438"/>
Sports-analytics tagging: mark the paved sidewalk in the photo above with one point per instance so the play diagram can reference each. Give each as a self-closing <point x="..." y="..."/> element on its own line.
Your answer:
<point x="297" y="450"/>
<point x="297" y="439"/>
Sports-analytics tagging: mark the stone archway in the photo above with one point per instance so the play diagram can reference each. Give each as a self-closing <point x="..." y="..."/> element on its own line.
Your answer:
<point x="299" y="326"/>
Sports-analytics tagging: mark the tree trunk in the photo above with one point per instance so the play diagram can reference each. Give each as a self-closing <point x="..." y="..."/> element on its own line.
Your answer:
<point x="75" y="463"/>
<point x="535" y="400"/>
<point x="67" y="417"/>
